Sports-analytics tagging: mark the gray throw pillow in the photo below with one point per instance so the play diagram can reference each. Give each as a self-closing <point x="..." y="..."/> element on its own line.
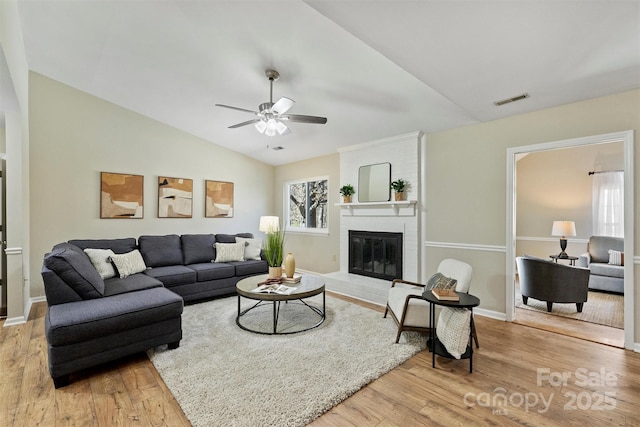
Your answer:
<point x="440" y="281"/>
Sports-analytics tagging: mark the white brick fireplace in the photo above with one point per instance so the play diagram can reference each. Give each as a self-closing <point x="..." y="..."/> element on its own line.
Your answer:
<point x="404" y="154"/>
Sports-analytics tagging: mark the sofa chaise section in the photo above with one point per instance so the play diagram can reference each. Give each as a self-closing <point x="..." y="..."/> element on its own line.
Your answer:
<point x="91" y="320"/>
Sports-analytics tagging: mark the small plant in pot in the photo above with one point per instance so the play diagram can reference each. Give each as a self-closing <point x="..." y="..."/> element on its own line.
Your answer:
<point x="347" y="191"/>
<point x="399" y="186"/>
<point x="274" y="252"/>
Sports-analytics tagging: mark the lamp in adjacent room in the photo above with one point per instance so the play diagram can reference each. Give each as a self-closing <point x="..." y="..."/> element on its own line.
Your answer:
<point x="563" y="229"/>
<point x="269" y="224"/>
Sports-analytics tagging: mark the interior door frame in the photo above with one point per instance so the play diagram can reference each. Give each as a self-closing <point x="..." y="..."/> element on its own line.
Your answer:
<point x="3" y="238"/>
<point x="626" y="137"/>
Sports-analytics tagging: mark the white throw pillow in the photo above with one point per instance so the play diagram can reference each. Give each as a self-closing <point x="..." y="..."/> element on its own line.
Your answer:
<point x="616" y="257"/>
<point x="452" y="329"/>
<point x="252" y="247"/>
<point x="129" y="263"/>
<point x="101" y="260"/>
<point x="226" y="252"/>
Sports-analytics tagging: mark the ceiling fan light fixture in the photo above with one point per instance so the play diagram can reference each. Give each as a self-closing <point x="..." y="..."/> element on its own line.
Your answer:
<point x="281" y="127"/>
<point x="269" y="120"/>
<point x="261" y="126"/>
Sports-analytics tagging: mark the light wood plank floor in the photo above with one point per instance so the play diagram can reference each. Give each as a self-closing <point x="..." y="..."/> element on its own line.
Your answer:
<point x="131" y="393"/>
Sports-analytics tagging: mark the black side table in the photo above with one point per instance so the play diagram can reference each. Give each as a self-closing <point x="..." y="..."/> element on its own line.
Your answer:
<point x="434" y="345"/>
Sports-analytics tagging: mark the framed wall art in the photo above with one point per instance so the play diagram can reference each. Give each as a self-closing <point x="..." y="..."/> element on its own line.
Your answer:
<point x="218" y="199"/>
<point x="175" y="197"/>
<point x="121" y="195"/>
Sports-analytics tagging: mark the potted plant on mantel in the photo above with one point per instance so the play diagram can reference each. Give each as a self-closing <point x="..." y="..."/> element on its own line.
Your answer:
<point x="399" y="186"/>
<point x="347" y="191"/>
<point x="274" y="252"/>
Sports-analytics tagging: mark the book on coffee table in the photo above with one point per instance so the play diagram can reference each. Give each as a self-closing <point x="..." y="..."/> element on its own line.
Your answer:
<point x="295" y="279"/>
<point x="274" y="289"/>
<point x="445" y="294"/>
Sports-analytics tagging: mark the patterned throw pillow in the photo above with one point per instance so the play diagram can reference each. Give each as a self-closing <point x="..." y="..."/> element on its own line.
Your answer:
<point x="252" y="247"/>
<point x="616" y="257"/>
<point x="101" y="260"/>
<point x="452" y="330"/>
<point x="440" y="281"/>
<point x="129" y="263"/>
<point x="227" y="252"/>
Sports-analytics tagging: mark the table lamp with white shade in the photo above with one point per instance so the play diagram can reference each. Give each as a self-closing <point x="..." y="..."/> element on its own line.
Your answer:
<point x="563" y="229"/>
<point x="269" y="224"/>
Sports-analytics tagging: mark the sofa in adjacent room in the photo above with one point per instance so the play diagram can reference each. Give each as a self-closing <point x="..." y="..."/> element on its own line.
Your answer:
<point x="605" y="260"/>
<point x="110" y="298"/>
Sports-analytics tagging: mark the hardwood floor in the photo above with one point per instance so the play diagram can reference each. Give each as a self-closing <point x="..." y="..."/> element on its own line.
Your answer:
<point x="515" y="364"/>
<point x="571" y="327"/>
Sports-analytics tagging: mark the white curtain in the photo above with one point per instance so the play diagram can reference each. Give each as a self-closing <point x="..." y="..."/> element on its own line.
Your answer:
<point x="608" y="204"/>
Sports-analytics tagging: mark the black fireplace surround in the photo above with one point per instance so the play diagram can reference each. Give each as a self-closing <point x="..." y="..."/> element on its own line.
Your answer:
<point x="375" y="254"/>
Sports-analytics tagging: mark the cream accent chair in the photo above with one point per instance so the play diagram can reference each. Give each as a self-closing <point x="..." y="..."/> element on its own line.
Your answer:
<point x="406" y="305"/>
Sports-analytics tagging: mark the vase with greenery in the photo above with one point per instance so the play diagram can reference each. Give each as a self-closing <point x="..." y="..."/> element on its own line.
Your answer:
<point x="274" y="252"/>
<point x="399" y="186"/>
<point x="347" y="191"/>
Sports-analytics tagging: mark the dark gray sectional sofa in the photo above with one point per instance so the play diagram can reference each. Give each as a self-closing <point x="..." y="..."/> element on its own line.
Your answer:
<point x="91" y="320"/>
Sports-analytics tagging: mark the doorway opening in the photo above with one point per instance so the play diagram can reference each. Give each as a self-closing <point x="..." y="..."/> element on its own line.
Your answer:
<point x="551" y="322"/>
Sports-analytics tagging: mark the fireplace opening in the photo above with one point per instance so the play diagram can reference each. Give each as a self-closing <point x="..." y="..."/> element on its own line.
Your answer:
<point x="375" y="254"/>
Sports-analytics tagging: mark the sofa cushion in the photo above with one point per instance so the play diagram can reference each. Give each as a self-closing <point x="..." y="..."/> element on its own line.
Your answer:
<point x="159" y="251"/>
<point x="599" y="247"/>
<point x="231" y="238"/>
<point x="135" y="282"/>
<point x="198" y="248"/>
<point x="212" y="271"/>
<point x="74" y="267"/>
<point x="616" y="257"/>
<point x="226" y="252"/>
<point x="129" y="263"/>
<point x="603" y="269"/>
<point x="119" y="246"/>
<point x="250" y="267"/>
<point x="84" y="320"/>
<point x="252" y="247"/>
<point x="173" y="275"/>
<point x="101" y="260"/>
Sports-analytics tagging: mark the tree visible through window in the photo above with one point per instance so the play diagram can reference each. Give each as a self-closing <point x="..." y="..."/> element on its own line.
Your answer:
<point x="307" y="207"/>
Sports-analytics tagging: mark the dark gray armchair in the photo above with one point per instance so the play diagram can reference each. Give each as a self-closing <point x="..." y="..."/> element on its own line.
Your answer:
<point x="551" y="282"/>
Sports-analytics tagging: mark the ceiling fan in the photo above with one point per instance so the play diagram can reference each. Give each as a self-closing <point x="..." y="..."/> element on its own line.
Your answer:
<point x="271" y="116"/>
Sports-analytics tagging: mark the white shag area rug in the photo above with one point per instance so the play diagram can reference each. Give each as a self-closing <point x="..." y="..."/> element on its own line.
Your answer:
<point x="222" y="375"/>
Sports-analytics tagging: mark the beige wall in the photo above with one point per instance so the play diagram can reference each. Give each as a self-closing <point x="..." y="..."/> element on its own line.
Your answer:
<point x="70" y="146"/>
<point x="319" y="253"/>
<point x="555" y="185"/>
<point x="466" y="183"/>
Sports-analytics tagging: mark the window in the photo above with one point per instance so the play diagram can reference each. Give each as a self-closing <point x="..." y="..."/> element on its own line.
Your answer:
<point x="608" y="204"/>
<point x="307" y="205"/>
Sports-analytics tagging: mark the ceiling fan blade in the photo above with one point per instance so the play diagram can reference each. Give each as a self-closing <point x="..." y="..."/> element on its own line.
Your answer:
<point x="282" y="106"/>
<point x="237" y="108"/>
<point x="248" y="122"/>
<point x="304" y="119"/>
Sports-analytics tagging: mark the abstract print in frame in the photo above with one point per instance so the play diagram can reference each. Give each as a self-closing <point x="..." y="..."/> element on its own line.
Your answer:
<point x="175" y="197"/>
<point x="121" y="195"/>
<point x="219" y="199"/>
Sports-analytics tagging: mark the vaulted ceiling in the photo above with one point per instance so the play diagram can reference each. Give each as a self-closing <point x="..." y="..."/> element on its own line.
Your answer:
<point x="375" y="69"/>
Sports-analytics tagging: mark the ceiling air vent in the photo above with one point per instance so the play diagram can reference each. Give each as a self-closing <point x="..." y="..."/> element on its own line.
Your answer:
<point x="277" y="148"/>
<point x="510" y="100"/>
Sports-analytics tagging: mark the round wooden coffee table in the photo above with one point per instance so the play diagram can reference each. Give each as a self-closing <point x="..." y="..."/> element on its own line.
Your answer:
<point x="308" y="286"/>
